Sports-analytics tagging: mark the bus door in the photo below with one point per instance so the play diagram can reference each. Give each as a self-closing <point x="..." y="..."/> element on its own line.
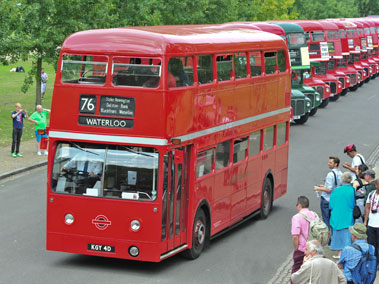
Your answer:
<point x="175" y="197"/>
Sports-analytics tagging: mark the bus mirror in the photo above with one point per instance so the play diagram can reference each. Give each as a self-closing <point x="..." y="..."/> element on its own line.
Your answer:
<point x="178" y="157"/>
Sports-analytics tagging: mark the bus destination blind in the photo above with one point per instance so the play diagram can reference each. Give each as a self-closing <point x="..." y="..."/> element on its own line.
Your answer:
<point x="109" y="106"/>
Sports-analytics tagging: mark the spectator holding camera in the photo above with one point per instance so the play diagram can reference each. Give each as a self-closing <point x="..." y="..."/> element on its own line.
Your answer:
<point x="372" y="218"/>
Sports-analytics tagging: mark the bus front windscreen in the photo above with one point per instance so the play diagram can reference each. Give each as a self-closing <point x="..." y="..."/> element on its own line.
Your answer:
<point x="296" y="39"/>
<point x="321" y="70"/>
<point x="109" y="171"/>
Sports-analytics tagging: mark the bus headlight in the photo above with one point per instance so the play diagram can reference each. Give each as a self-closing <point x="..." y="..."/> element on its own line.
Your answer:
<point x="135" y="225"/>
<point x="69" y="219"/>
<point x="133" y="251"/>
<point x="347" y="80"/>
<point x="308" y="104"/>
<point x="327" y="90"/>
<point x="318" y="97"/>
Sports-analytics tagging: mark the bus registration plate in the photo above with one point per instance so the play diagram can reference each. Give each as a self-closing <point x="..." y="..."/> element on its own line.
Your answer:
<point x="103" y="248"/>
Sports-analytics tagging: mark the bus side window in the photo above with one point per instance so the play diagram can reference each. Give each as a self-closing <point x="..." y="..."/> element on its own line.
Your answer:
<point x="224" y="67"/>
<point x="240" y="149"/>
<point x="255" y="143"/>
<point x="268" y="138"/>
<point x="270" y="62"/>
<point x="281" y="61"/>
<point x="204" y="163"/>
<point x="222" y="154"/>
<point x="204" y="69"/>
<point x="240" y="65"/>
<point x="281" y="131"/>
<point x="183" y="75"/>
<point x="255" y="63"/>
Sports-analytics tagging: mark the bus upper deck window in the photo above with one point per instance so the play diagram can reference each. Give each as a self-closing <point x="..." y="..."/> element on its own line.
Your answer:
<point x="255" y="63"/>
<point x="180" y="72"/>
<point x="270" y="62"/>
<point x="204" y="69"/>
<point x="84" y="69"/>
<point x="224" y="67"/>
<point x="136" y="71"/>
<point x="240" y="65"/>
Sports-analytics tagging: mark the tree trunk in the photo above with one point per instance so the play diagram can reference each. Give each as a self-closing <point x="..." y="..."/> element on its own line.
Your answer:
<point x="38" y="80"/>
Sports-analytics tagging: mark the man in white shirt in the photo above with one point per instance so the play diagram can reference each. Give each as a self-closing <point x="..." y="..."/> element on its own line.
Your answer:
<point x="372" y="222"/>
<point x="332" y="180"/>
<point x="358" y="159"/>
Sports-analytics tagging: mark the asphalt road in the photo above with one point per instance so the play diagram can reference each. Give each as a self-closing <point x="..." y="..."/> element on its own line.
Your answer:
<point x="250" y="253"/>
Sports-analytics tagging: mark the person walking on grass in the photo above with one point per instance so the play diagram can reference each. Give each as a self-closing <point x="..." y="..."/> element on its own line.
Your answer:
<point x="44" y="79"/>
<point x="18" y="124"/>
<point x="39" y="117"/>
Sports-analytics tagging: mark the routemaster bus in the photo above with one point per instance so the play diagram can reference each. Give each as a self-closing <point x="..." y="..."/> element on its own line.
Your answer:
<point x="164" y="137"/>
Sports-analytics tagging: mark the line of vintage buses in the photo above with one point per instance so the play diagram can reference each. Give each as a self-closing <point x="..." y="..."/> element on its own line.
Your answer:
<point x="164" y="137"/>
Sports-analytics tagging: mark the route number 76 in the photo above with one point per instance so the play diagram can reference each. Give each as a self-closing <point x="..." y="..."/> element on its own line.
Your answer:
<point x="87" y="104"/>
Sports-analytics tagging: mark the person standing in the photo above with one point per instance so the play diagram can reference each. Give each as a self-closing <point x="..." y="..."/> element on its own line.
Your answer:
<point x="372" y="218"/>
<point x="332" y="180"/>
<point x="316" y="269"/>
<point x="350" y="256"/>
<point x="358" y="159"/>
<point x="18" y="124"/>
<point x="44" y="79"/>
<point x="341" y="204"/>
<point x="360" y="191"/>
<point x="39" y="116"/>
<point x="300" y="231"/>
<point x="369" y="176"/>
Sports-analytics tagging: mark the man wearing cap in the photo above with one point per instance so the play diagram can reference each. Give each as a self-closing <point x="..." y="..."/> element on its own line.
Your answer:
<point x="369" y="176"/>
<point x="372" y="222"/>
<point x="358" y="159"/>
<point x="350" y="256"/>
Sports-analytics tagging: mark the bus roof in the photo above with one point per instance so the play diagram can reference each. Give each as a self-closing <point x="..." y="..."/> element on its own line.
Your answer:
<point x="159" y="40"/>
<point x="271" y="28"/>
<point x="328" y="26"/>
<point x="290" y="27"/>
<point x="310" y="26"/>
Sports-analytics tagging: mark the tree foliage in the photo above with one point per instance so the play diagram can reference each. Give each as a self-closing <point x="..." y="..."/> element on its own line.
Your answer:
<point x="325" y="9"/>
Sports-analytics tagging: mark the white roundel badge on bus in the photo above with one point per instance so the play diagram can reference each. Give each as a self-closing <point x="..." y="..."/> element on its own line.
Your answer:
<point x="101" y="222"/>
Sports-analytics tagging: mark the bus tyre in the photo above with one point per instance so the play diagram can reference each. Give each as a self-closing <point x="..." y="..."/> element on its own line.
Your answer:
<point x="303" y="119"/>
<point x="344" y="92"/>
<point x="354" y="88"/>
<point x="361" y="83"/>
<point x="335" y="97"/>
<point x="313" y="111"/>
<point x="199" y="235"/>
<point x="267" y="198"/>
<point x="324" y="103"/>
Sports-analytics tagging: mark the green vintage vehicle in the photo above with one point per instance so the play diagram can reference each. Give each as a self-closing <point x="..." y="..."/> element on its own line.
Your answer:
<point x="300" y="63"/>
<point x="301" y="106"/>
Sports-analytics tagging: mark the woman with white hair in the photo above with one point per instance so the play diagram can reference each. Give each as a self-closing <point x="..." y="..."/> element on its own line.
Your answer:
<point x="342" y="202"/>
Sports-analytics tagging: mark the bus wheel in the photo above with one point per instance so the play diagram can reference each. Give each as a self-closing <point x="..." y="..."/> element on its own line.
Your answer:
<point x="303" y="119"/>
<point x="313" y="111"/>
<point x="267" y="198"/>
<point x="335" y="97"/>
<point x="344" y="92"/>
<point x="199" y="235"/>
<point x="354" y="88"/>
<point x="360" y="83"/>
<point x="324" y="103"/>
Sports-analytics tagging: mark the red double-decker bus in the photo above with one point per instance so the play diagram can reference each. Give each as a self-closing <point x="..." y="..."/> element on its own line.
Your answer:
<point x="163" y="137"/>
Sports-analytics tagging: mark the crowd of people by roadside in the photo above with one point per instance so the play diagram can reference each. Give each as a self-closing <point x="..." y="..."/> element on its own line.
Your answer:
<point x="349" y="204"/>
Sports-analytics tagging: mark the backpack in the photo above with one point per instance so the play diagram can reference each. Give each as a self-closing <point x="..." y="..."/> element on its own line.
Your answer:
<point x="318" y="230"/>
<point x="365" y="271"/>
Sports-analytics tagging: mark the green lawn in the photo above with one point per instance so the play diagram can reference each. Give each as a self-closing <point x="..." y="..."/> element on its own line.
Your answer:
<point x="10" y="94"/>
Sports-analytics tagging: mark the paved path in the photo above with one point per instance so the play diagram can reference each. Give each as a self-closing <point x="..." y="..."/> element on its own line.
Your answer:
<point x="10" y="165"/>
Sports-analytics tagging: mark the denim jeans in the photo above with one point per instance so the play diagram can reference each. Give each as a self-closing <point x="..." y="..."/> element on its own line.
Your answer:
<point x="373" y="238"/>
<point x="325" y="211"/>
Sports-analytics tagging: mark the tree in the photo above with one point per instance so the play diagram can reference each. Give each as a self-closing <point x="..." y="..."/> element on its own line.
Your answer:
<point x="325" y="9"/>
<point x="367" y="7"/>
<point x="40" y="27"/>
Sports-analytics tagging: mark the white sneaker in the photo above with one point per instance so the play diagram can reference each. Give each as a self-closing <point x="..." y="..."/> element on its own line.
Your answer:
<point x="45" y="153"/>
<point x="39" y="153"/>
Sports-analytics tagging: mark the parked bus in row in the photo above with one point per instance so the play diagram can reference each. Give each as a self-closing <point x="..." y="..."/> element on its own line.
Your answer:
<point x="299" y="62"/>
<point x="160" y="141"/>
<point x="319" y="52"/>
